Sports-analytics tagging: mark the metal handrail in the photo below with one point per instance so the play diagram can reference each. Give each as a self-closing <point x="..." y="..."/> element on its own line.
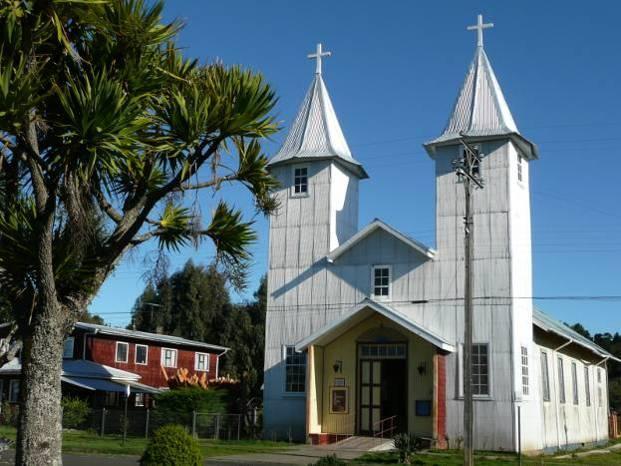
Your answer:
<point x="382" y="430"/>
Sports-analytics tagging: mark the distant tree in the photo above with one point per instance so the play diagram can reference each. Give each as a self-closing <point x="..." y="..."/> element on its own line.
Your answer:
<point x="245" y="335"/>
<point x="92" y="319"/>
<point x="192" y="303"/>
<point x="577" y="327"/>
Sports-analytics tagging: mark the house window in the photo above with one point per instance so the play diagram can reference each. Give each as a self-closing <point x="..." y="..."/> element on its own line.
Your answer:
<point x="545" y="377"/>
<point x="381" y="281"/>
<point x="561" y="380"/>
<point x="524" y="370"/>
<point x="295" y="371"/>
<point x="68" y="348"/>
<point x="201" y="362"/>
<point x="519" y="167"/>
<point x="587" y="386"/>
<point x="300" y="180"/>
<point x="122" y="350"/>
<point x="574" y="381"/>
<point x="139" y="400"/>
<point x="480" y="369"/>
<point x="14" y="391"/>
<point x="169" y="357"/>
<point x="142" y="354"/>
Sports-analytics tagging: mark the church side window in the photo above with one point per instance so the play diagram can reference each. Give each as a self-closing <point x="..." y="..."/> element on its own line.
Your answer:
<point x="545" y="376"/>
<point x="574" y="381"/>
<point x="561" y="380"/>
<point x="295" y="370"/>
<point x="300" y="181"/>
<point x="480" y="369"/>
<point x="525" y="382"/>
<point x="587" y="386"/>
<point x="381" y="281"/>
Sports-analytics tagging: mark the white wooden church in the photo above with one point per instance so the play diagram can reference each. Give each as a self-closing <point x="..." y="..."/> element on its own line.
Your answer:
<point x="365" y="325"/>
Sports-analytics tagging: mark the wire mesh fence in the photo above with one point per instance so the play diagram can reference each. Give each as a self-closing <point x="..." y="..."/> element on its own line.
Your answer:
<point x="142" y="423"/>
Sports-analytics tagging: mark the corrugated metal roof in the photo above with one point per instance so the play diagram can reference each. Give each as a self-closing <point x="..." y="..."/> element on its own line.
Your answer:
<point x="172" y="340"/>
<point x="316" y="132"/>
<point x="481" y="110"/>
<point x="549" y="324"/>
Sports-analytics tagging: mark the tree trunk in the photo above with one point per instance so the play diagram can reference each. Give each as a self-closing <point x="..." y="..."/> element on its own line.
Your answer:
<point x="39" y="438"/>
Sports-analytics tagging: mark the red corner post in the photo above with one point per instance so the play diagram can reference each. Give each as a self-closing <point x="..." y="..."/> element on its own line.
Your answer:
<point x="439" y="400"/>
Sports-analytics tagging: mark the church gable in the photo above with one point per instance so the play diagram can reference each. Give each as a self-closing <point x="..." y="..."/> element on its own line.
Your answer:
<point x="380" y="243"/>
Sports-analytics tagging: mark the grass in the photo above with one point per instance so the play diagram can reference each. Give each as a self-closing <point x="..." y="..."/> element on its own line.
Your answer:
<point x="454" y="458"/>
<point x="76" y="441"/>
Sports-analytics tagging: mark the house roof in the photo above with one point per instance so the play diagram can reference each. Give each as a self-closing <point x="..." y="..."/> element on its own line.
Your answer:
<point x="375" y="225"/>
<point x="154" y="337"/>
<point x="549" y="324"/>
<point x="481" y="111"/>
<point x="105" y="385"/>
<point x="94" y="370"/>
<point x="316" y="133"/>
<point x="361" y="312"/>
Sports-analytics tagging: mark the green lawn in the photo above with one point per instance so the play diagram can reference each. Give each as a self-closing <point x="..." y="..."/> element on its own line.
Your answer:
<point x="85" y="442"/>
<point x="489" y="459"/>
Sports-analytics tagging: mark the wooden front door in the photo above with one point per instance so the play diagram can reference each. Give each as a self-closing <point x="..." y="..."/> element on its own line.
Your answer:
<point x="370" y="395"/>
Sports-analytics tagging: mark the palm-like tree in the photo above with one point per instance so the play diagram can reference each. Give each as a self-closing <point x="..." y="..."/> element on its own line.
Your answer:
<point x="104" y="127"/>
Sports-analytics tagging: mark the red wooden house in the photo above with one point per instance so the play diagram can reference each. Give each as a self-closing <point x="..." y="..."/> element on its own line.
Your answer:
<point x="102" y="363"/>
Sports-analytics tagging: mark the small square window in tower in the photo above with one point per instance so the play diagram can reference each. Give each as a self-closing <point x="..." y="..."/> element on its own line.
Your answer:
<point x="381" y="281"/>
<point x="300" y="180"/>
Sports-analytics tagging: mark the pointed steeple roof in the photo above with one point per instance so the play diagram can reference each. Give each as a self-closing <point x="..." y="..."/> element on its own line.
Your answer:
<point x="481" y="111"/>
<point x="316" y="133"/>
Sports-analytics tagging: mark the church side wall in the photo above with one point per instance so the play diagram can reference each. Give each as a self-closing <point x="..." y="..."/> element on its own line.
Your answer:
<point x="569" y="425"/>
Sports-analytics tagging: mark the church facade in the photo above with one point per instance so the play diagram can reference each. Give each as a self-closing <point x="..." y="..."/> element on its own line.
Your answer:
<point x="365" y="326"/>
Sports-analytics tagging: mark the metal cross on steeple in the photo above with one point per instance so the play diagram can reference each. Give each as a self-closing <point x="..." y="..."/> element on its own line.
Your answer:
<point x="317" y="55"/>
<point x="479" y="28"/>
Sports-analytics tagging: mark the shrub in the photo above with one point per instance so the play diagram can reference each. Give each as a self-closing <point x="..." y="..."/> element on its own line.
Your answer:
<point x="171" y="445"/>
<point x="9" y="414"/>
<point x="406" y="445"/>
<point x="75" y="412"/>
<point x="330" y="460"/>
<point x="176" y="405"/>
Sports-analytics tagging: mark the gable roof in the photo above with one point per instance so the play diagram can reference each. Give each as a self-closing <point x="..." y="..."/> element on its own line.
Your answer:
<point x="377" y="224"/>
<point x="316" y="132"/>
<point x="481" y="110"/>
<point x="153" y="337"/>
<point x="361" y="312"/>
<point x="549" y="324"/>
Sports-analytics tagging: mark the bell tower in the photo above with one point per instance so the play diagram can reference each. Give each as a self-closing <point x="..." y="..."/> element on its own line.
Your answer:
<point x="502" y="225"/>
<point x="318" y="211"/>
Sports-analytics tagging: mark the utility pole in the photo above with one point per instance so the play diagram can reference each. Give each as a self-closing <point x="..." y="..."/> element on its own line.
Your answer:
<point x="467" y="170"/>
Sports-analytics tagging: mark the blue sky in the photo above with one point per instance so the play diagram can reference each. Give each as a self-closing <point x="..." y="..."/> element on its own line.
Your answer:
<point x="394" y="74"/>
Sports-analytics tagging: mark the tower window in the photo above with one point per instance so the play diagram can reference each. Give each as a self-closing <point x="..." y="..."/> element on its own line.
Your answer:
<point x="381" y="281"/>
<point x="519" y="167"/>
<point x="295" y="371"/>
<point x="525" y="384"/>
<point x="300" y="180"/>
<point x="480" y="369"/>
<point x="545" y="377"/>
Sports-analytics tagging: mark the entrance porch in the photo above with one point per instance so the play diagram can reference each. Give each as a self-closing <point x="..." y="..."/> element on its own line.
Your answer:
<point x="375" y="373"/>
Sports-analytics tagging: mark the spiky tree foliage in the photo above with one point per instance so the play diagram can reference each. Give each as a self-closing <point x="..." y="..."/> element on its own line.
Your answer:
<point x="104" y="130"/>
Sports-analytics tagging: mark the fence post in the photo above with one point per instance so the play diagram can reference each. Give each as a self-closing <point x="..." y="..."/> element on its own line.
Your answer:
<point x="103" y="421"/>
<point x="217" y="432"/>
<point x="146" y="425"/>
<point x="194" y="424"/>
<point x="238" y="425"/>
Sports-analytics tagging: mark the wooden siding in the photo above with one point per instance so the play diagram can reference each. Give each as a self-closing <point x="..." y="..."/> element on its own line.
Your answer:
<point x="102" y="349"/>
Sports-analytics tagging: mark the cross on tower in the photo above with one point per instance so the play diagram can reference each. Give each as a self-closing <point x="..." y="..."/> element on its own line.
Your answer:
<point x="479" y="28"/>
<point x="317" y="55"/>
